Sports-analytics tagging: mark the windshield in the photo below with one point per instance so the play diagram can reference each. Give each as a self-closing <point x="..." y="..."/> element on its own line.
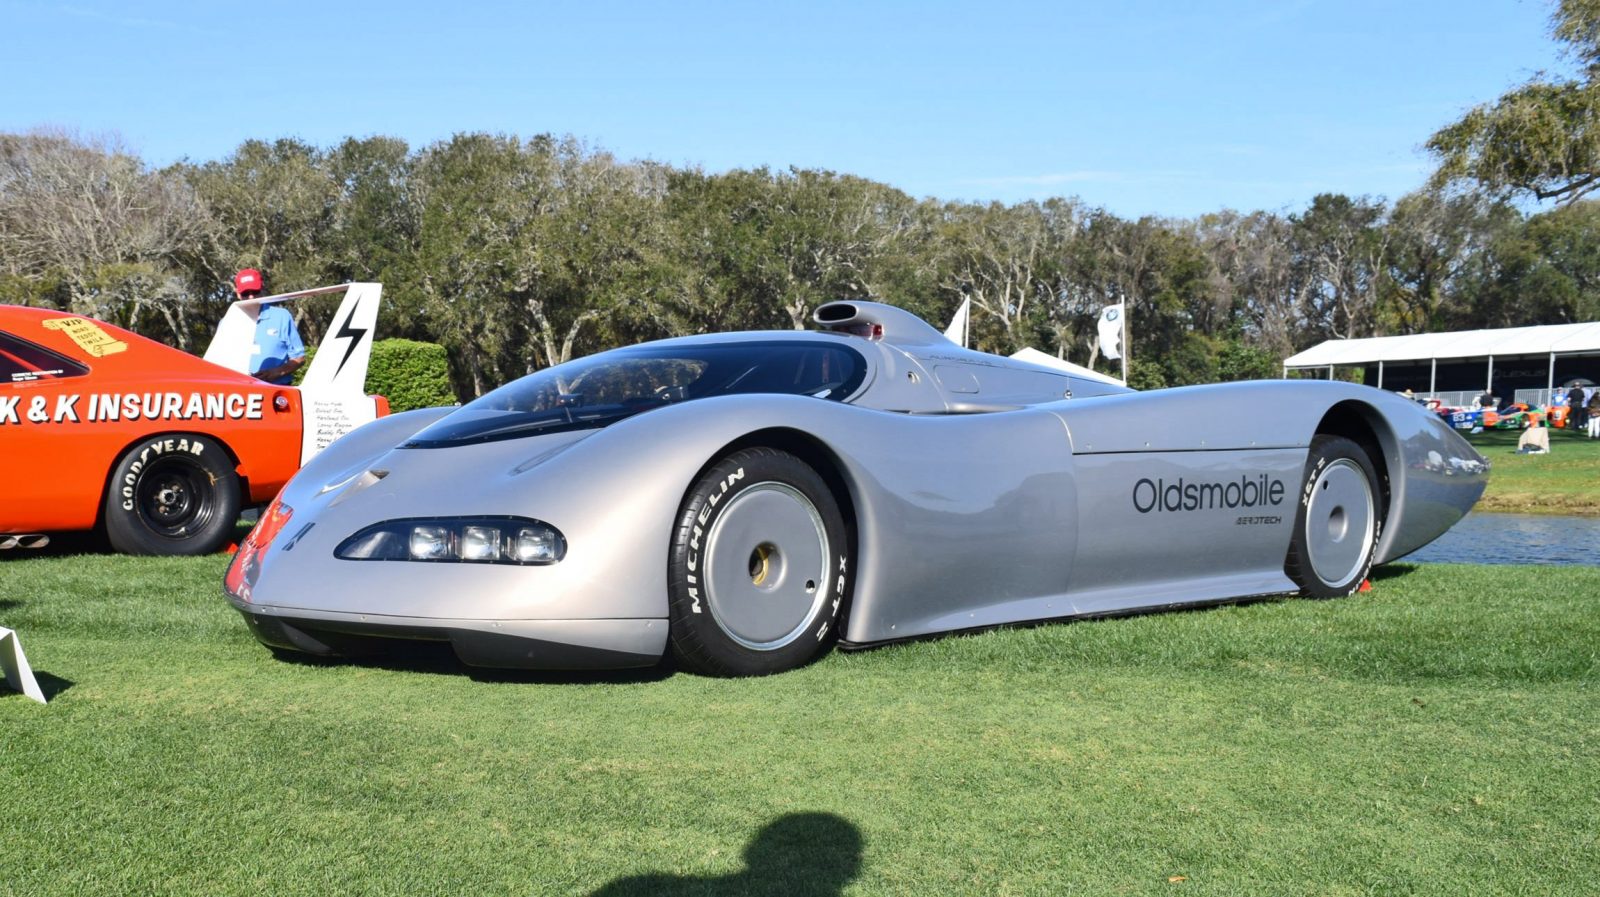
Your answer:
<point x="603" y="389"/>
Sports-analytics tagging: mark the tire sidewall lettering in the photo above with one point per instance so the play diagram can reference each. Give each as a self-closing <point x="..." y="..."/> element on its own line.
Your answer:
<point x="702" y="523"/>
<point x="1311" y="482"/>
<point x="177" y="445"/>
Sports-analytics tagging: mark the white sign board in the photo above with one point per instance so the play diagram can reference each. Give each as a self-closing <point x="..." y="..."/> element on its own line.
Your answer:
<point x="327" y="417"/>
<point x="18" y="675"/>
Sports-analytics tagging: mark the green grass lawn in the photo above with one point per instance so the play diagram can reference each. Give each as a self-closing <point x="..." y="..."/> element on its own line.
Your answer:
<point x="1437" y="735"/>
<point x="1566" y="481"/>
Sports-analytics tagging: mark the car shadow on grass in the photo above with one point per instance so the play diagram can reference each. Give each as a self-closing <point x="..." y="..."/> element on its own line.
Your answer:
<point x="1391" y="571"/>
<point x="436" y="658"/>
<point x="797" y="855"/>
<point x="93" y="542"/>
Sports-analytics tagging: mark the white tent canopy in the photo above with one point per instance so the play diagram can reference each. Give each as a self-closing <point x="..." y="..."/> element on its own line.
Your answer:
<point x="1546" y="339"/>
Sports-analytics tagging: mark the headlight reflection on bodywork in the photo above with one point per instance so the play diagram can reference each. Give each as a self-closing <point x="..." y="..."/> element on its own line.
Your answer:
<point x="245" y="568"/>
<point x="473" y="540"/>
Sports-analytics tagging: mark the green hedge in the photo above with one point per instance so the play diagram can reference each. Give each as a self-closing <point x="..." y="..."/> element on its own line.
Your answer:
<point x="408" y="373"/>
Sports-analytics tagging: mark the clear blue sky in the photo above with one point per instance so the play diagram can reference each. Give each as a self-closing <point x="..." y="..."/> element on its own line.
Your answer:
<point x="1144" y="107"/>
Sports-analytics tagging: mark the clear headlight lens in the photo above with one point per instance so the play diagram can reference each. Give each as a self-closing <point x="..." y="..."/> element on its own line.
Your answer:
<point x="480" y="543"/>
<point x="536" y="545"/>
<point x="482" y="540"/>
<point x="430" y="543"/>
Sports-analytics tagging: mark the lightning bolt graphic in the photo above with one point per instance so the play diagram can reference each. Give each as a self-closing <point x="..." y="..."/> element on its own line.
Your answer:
<point x="354" y="334"/>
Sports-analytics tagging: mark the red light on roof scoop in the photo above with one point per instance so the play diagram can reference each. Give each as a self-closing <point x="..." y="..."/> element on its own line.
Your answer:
<point x="863" y="329"/>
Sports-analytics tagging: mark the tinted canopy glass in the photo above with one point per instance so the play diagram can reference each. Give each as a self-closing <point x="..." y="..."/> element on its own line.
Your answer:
<point x="603" y="389"/>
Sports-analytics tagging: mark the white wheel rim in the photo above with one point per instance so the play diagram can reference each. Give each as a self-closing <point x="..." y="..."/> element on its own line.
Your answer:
<point x="1341" y="518"/>
<point x="766" y="566"/>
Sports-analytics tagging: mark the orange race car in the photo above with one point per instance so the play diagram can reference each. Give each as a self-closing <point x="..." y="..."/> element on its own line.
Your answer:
<point x="103" y="429"/>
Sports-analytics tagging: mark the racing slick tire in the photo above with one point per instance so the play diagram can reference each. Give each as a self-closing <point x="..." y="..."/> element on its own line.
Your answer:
<point x="758" y="567"/>
<point x="1338" y="521"/>
<point x="173" y="494"/>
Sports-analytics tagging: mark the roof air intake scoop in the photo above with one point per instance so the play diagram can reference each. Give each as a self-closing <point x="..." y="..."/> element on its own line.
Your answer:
<point x="874" y="320"/>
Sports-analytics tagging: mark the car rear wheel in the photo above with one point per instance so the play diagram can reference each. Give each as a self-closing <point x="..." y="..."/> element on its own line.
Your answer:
<point x="175" y="494"/>
<point x="759" y="566"/>
<point x="1338" y="521"/>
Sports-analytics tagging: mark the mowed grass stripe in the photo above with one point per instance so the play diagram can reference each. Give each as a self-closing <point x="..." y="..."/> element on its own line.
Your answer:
<point x="1433" y="736"/>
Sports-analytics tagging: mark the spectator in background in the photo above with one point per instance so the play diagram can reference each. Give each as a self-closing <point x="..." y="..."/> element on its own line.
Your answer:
<point x="278" y="351"/>
<point x="1577" y="414"/>
<point x="1593" y="412"/>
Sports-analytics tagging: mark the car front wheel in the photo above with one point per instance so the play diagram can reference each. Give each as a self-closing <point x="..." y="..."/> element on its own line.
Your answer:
<point x="759" y="566"/>
<point x="1338" y="521"/>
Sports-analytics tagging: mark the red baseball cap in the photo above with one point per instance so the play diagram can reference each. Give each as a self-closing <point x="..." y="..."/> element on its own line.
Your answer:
<point x="247" y="280"/>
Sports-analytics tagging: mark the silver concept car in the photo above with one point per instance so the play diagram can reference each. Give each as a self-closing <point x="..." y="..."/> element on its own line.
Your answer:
<point x="742" y="501"/>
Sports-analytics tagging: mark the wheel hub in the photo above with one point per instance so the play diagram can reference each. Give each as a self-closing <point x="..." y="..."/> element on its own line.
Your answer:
<point x="763" y="561"/>
<point x="766" y="555"/>
<point x="169" y="501"/>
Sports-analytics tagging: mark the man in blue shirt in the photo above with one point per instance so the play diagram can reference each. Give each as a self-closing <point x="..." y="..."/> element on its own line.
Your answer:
<point x="278" y="351"/>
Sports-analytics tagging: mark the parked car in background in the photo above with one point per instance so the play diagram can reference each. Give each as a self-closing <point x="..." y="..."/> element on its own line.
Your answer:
<point x="108" y="431"/>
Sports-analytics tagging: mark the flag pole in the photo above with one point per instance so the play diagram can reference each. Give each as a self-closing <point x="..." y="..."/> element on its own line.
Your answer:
<point x="1124" y="341"/>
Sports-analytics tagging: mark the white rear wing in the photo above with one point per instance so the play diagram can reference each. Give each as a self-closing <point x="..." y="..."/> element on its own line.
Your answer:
<point x="341" y="360"/>
<point x="333" y="393"/>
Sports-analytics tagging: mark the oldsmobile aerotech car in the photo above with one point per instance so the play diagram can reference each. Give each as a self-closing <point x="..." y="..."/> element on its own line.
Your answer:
<point x="742" y="501"/>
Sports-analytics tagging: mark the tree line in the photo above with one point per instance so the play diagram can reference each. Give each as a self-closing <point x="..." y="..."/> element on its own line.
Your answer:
<point x="517" y="253"/>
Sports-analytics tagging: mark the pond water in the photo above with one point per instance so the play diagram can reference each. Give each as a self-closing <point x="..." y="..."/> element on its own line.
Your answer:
<point x="1516" y="539"/>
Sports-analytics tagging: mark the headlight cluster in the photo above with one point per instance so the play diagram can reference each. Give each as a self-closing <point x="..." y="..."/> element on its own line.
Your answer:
<point x="471" y="540"/>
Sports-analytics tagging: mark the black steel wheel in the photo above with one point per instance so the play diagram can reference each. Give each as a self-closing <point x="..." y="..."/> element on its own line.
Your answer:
<point x="175" y="494"/>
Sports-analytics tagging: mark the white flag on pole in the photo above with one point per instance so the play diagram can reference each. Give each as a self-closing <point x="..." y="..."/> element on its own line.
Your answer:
<point x="1111" y="331"/>
<point x="15" y="666"/>
<point x="957" y="331"/>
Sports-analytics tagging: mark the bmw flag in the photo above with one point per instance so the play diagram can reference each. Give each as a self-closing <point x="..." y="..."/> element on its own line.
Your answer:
<point x="1111" y="331"/>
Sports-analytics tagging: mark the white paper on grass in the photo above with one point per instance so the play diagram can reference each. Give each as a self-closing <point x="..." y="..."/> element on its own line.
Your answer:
<point x="18" y="675"/>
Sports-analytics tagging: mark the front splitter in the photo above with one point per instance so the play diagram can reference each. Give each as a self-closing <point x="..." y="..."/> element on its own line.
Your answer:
<point x="499" y="644"/>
